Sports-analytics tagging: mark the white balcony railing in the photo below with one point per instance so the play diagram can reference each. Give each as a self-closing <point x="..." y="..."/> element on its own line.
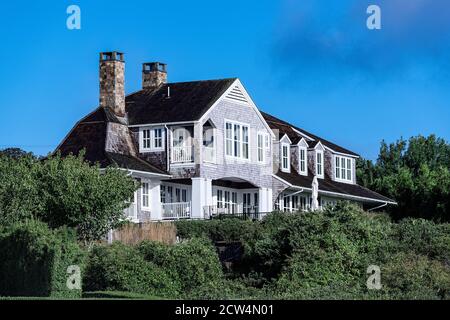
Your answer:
<point x="182" y="154"/>
<point x="176" y="210"/>
<point x="209" y="154"/>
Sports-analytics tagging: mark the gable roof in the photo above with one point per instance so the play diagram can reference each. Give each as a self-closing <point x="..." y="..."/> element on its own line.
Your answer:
<point x="188" y="101"/>
<point x="290" y="130"/>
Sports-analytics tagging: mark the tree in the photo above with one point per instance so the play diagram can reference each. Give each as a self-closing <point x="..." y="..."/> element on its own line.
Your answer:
<point x="15" y="153"/>
<point x="64" y="192"/>
<point x="416" y="173"/>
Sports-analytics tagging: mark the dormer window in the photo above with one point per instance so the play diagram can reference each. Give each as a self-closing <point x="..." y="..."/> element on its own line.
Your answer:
<point x="285" y="158"/>
<point x="319" y="163"/>
<point x="151" y="139"/>
<point x="303" y="168"/>
<point x="343" y="169"/>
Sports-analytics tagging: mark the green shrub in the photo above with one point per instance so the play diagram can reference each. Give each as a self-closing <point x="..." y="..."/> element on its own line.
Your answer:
<point x="192" y="263"/>
<point x="35" y="260"/>
<point x="120" y="267"/>
<point x="424" y="237"/>
<point x="226" y="229"/>
<point x="412" y="276"/>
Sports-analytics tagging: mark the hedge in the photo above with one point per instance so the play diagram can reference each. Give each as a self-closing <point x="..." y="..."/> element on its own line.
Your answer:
<point x="120" y="267"/>
<point x="35" y="260"/>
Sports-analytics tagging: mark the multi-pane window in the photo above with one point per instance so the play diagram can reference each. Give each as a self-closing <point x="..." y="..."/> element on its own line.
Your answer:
<point x="260" y="147"/>
<point x="295" y="203"/>
<point x="219" y="199"/>
<point x="245" y="142"/>
<point x="285" y="161"/>
<point x="157" y="139"/>
<point x="146" y="139"/>
<point x="163" y="194"/>
<point x="319" y="163"/>
<point x="227" y="199"/>
<point x="145" y="195"/>
<point x="229" y="139"/>
<point x="237" y="140"/>
<point x="246" y="202"/>
<point x="343" y="168"/>
<point x="302" y="161"/>
<point x="234" y="202"/>
<point x="152" y="139"/>
<point x="169" y="194"/>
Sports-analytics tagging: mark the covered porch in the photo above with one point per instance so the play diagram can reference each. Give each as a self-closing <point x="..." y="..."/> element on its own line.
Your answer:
<point x="202" y="198"/>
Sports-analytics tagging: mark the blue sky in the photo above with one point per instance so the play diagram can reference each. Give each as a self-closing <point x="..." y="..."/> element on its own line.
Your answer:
<point x="313" y="63"/>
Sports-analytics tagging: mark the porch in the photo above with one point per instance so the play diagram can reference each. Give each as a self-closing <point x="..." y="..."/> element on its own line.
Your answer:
<point x="183" y="146"/>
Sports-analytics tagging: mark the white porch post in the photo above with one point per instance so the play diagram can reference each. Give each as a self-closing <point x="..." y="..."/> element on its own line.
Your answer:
<point x="265" y="200"/>
<point x="156" y="208"/>
<point x="208" y="192"/>
<point x="201" y="196"/>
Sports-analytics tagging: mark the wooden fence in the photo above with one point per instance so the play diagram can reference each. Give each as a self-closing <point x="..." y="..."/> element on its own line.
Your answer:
<point x="134" y="233"/>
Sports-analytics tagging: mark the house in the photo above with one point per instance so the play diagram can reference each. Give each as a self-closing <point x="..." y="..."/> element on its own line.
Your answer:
<point x="201" y="148"/>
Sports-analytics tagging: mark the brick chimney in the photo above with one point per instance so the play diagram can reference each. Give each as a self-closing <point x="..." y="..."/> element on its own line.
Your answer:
<point x="153" y="74"/>
<point x="112" y="82"/>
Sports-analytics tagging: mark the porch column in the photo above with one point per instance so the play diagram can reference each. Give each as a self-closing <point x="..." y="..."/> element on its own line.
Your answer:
<point x="201" y="196"/>
<point x="265" y="200"/>
<point x="155" y="196"/>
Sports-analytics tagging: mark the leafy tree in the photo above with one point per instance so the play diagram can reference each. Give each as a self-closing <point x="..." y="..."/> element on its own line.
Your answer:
<point x="76" y="194"/>
<point x="416" y="173"/>
<point x="15" y="153"/>
<point x="64" y="192"/>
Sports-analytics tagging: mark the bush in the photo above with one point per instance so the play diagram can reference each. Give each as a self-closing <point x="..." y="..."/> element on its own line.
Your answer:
<point x="226" y="229"/>
<point x="424" y="237"/>
<point x="191" y="264"/>
<point x="120" y="267"/>
<point x="35" y="260"/>
<point x="412" y="276"/>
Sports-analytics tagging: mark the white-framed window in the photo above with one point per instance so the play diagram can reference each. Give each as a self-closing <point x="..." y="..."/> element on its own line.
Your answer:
<point x="163" y="194"/>
<point x="343" y="168"/>
<point x="302" y="161"/>
<point x="261" y="146"/>
<point x="145" y="195"/>
<point x="319" y="163"/>
<point x="157" y="138"/>
<point x="220" y="202"/>
<point x="237" y="142"/>
<point x="151" y="139"/>
<point x="285" y="157"/>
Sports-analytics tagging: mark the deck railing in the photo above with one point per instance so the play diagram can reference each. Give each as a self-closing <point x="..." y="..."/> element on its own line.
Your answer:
<point x="238" y="210"/>
<point x="182" y="154"/>
<point x="176" y="210"/>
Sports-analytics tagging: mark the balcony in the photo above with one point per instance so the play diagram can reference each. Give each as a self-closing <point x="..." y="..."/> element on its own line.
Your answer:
<point x="176" y="210"/>
<point x="182" y="154"/>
